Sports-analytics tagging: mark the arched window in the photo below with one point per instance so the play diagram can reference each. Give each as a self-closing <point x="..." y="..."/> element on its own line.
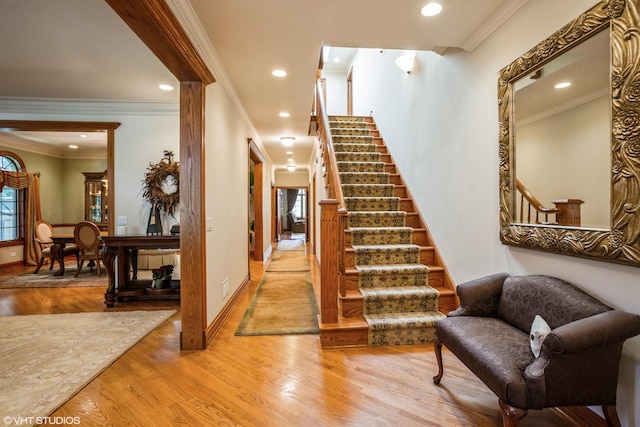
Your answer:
<point x="11" y="202"/>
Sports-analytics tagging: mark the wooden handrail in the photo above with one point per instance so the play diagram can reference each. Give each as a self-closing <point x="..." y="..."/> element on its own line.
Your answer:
<point x="535" y="203"/>
<point x="332" y="178"/>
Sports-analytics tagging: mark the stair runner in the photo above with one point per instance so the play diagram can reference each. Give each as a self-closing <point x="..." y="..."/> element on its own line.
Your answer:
<point x="399" y="306"/>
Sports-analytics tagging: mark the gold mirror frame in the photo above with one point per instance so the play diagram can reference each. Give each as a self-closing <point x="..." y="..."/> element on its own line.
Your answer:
<point x="620" y="244"/>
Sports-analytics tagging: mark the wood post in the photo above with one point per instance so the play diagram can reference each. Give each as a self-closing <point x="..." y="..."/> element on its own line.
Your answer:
<point x="329" y="261"/>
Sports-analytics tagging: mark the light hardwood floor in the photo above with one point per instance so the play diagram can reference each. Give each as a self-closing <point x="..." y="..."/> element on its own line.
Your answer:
<point x="266" y="380"/>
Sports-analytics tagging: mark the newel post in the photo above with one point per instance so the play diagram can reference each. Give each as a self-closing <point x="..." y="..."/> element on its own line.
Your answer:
<point x="329" y="261"/>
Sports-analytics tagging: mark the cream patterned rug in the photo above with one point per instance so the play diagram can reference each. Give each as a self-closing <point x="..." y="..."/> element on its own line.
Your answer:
<point x="46" y="359"/>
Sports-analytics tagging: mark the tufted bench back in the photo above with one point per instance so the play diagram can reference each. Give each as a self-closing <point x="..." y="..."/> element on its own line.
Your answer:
<point x="556" y="301"/>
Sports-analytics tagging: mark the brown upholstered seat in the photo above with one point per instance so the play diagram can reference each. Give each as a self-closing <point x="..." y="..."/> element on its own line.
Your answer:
<point x="580" y="357"/>
<point x="87" y="237"/>
<point x="44" y="231"/>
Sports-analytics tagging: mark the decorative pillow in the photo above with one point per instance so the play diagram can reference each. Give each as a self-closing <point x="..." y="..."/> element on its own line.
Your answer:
<point x="539" y="331"/>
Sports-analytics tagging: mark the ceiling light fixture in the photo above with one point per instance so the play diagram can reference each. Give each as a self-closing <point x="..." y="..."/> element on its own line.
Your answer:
<point x="284" y="114"/>
<point x="73" y="147"/>
<point x="166" y="87"/>
<point x="289" y="160"/>
<point x="279" y="73"/>
<point x="287" y="141"/>
<point x="405" y="62"/>
<point x="84" y="135"/>
<point x="562" y="85"/>
<point x="291" y="168"/>
<point x="431" y="9"/>
<point x="289" y="153"/>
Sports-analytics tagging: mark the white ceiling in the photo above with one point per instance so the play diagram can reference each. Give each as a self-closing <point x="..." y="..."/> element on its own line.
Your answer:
<point x="80" y="49"/>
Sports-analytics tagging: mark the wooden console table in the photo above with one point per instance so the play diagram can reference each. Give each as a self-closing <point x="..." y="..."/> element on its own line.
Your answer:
<point x="125" y="250"/>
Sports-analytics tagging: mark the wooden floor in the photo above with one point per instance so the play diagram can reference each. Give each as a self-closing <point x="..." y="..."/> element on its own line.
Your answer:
<point x="266" y="380"/>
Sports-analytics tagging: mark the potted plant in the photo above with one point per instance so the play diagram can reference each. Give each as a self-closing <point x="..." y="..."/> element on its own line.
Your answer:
<point x="162" y="276"/>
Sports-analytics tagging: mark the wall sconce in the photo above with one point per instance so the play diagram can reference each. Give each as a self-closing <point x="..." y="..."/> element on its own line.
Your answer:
<point x="291" y="168"/>
<point x="405" y="62"/>
<point x="287" y="141"/>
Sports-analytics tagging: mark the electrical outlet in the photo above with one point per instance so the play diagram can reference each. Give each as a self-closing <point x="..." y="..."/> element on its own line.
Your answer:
<point x="225" y="288"/>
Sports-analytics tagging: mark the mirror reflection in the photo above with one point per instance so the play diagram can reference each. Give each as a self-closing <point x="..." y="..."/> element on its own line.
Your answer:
<point x="562" y="139"/>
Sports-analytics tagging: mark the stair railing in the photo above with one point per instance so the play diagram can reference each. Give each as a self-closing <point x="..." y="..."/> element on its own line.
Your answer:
<point x="533" y="203"/>
<point x="332" y="220"/>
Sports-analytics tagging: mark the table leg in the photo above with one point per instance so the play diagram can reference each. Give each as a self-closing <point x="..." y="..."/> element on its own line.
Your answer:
<point x="108" y="258"/>
<point x="57" y="254"/>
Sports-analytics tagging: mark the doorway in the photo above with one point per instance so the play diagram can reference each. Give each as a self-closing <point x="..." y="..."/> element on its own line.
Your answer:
<point x="291" y="214"/>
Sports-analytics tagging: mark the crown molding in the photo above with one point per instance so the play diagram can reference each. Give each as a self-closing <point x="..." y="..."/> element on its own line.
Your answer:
<point x="9" y="141"/>
<point x="16" y="105"/>
<point x="492" y="24"/>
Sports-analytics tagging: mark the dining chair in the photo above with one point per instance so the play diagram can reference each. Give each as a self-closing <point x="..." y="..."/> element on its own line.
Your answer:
<point x="44" y="231"/>
<point x="87" y="237"/>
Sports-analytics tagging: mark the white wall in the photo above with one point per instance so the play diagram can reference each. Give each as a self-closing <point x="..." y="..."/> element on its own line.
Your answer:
<point x="298" y="178"/>
<point x="227" y="198"/>
<point x="440" y="123"/>
<point x="337" y="103"/>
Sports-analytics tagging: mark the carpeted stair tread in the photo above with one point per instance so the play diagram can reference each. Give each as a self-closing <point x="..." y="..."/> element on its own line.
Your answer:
<point x="355" y="147"/>
<point x="350" y="132"/>
<point x="372" y="203"/>
<point x="376" y="219"/>
<point x="364" y="177"/>
<point x="376" y="167"/>
<point x="403" y="320"/>
<point x="386" y="254"/>
<point x="368" y="190"/>
<point x="358" y="156"/>
<point x="396" y="300"/>
<point x="338" y="118"/>
<point x="377" y="235"/>
<point x="392" y="269"/>
<point x="353" y="139"/>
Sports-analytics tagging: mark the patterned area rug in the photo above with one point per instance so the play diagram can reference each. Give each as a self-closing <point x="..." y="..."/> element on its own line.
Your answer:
<point x="46" y="279"/>
<point x="46" y="359"/>
<point x="284" y="302"/>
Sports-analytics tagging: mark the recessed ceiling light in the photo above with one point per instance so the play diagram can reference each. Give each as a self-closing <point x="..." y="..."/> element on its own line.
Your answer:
<point x="431" y="9"/>
<point x="166" y="87"/>
<point x="83" y="135"/>
<point x="289" y="153"/>
<point x="336" y="60"/>
<point x="279" y="73"/>
<point x="73" y="146"/>
<point x="562" y="85"/>
<point x="289" y="160"/>
<point x="291" y="168"/>
<point x="284" y="114"/>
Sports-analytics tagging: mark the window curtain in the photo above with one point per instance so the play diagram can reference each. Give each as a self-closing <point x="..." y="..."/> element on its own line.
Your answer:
<point x="33" y="212"/>
<point x="292" y="195"/>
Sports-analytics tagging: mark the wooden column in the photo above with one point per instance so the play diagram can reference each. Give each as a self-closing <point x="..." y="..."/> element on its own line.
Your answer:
<point x="192" y="217"/>
<point x="329" y="261"/>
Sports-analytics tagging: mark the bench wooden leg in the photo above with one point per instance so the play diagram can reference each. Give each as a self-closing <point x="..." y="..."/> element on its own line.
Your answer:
<point x="437" y="346"/>
<point x="611" y="415"/>
<point x="511" y="416"/>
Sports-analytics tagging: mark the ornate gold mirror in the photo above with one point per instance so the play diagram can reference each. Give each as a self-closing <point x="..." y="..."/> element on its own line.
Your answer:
<point x="570" y="161"/>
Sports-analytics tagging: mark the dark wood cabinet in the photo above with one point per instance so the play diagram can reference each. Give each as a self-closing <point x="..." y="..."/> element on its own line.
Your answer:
<point x="96" y="189"/>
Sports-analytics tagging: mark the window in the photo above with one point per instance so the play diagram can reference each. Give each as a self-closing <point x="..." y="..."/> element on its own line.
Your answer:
<point x="300" y="208"/>
<point x="11" y="202"/>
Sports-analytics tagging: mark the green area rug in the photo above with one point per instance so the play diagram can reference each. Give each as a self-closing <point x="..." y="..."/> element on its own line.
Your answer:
<point x="284" y="302"/>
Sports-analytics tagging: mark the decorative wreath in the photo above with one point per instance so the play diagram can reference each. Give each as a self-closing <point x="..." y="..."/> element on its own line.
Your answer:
<point x="156" y="179"/>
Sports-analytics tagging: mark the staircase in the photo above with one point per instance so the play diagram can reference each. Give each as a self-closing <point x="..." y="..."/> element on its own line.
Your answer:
<point x="394" y="285"/>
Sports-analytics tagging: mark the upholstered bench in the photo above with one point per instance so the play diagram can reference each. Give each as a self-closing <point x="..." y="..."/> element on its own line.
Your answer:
<point x="579" y="343"/>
